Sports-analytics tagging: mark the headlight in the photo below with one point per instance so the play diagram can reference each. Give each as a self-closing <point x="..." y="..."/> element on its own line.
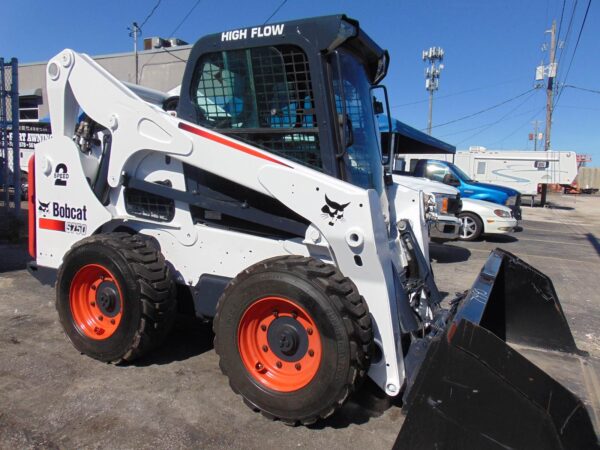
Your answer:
<point x="502" y="213"/>
<point x="441" y="202"/>
<point x="429" y="205"/>
<point x="511" y="201"/>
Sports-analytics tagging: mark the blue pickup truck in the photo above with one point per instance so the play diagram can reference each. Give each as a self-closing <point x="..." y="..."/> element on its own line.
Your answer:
<point x="449" y="174"/>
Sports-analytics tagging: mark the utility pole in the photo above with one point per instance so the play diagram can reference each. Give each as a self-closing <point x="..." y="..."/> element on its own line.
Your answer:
<point x="433" y="57"/>
<point x="551" y="73"/>
<point x="134" y="31"/>
<point x="536" y="136"/>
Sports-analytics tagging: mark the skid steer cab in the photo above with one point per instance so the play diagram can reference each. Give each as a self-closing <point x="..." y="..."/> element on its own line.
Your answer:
<point x="264" y="201"/>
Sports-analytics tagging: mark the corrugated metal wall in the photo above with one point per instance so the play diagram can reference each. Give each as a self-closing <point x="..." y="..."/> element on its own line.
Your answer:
<point x="588" y="177"/>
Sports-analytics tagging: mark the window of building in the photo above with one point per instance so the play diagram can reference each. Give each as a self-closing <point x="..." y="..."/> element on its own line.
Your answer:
<point x="28" y="109"/>
<point x="260" y="95"/>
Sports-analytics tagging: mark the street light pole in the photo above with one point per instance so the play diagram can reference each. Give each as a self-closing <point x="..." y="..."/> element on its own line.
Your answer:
<point x="134" y="31"/>
<point x="536" y="134"/>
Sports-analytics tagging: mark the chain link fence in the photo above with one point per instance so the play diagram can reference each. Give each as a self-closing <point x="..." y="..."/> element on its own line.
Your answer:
<point x="12" y="187"/>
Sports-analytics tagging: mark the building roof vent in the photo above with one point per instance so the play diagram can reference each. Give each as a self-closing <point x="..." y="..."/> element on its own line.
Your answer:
<point x="155" y="42"/>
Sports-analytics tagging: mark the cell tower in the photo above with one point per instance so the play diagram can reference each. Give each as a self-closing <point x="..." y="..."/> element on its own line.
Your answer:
<point x="433" y="56"/>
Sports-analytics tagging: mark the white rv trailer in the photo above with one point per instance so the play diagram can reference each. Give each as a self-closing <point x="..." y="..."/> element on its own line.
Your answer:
<point x="520" y="170"/>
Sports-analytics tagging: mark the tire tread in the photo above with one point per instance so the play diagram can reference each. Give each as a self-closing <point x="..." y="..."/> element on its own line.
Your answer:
<point x="156" y="288"/>
<point x="350" y="305"/>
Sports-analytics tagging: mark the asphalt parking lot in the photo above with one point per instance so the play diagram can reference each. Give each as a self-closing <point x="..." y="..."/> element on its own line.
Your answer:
<point x="53" y="397"/>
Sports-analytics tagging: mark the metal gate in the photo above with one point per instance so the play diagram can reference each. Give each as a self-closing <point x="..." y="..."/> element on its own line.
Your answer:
<point x="10" y="169"/>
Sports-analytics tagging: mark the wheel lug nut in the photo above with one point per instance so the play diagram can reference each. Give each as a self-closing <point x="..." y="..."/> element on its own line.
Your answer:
<point x="93" y="303"/>
<point x="112" y="321"/>
<point x="309" y="331"/>
<point x="100" y="317"/>
<point x="259" y="366"/>
<point x="311" y="353"/>
<point x="93" y="288"/>
<point x="278" y="364"/>
<point x="276" y="313"/>
<point x="263" y="327"/>
<point x="294" y="314"/>
<point x="265" y="348"/>
<point x="298" y="366"/>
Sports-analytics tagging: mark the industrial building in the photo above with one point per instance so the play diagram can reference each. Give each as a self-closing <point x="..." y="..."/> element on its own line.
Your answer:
<point x="160" y="66"/>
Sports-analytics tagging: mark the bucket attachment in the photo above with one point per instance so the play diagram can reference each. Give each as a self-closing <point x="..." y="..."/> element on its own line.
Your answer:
<point x="468" y="389"/>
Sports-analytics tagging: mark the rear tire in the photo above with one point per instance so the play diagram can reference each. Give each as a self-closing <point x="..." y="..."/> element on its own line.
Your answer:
<point x="471" y="226"/>
<point x="294" y="338"/>
<point x="115" y="296"/>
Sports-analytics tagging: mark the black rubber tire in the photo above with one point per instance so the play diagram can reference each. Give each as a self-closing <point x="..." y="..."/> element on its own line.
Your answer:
<point x="148" y="295"/>
<point x="478" y="226"/>
<point x="341" y="316"/>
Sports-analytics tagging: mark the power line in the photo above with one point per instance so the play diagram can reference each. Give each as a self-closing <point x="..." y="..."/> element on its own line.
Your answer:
<point x="500" y="119"/>
<point x="276" y="11"/>
<point x="458" y="93"/>
<point x="185" y="18"/>
<point x="166" y="50"/>
<point x="579" y="107"/>
<point x="485" y="110"/>
<point x="562" y="13"/>
<point x="483" y="125"/>
<point x="568" y="33"/>
<point x="538" y="110"/>
<point x="150" y="14"/>
<point x="581" y="89"/>
<point x="587" y="10"/>
<point x="172" y="33"/>
<point x="565" y="45"/>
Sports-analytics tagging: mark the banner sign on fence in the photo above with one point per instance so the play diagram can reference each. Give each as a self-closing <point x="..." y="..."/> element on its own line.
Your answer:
<point x="31" y="134"/>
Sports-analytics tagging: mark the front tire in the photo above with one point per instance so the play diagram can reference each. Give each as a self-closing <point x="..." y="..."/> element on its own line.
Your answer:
<point x="294" y="337"/>
<point x="115" y="296"/>
<point x="471" y="226"/>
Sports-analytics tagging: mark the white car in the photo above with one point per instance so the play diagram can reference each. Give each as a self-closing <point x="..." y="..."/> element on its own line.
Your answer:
<point x="480" y="217"/>
<point x="446" y="226"/>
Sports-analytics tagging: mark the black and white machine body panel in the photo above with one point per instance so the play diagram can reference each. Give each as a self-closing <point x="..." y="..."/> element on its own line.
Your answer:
<point x="339" y="223"/>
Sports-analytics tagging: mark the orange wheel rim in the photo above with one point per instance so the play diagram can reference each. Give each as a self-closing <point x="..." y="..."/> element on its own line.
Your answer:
<point x="96" y="302"/>
<point x="279" y="344"/>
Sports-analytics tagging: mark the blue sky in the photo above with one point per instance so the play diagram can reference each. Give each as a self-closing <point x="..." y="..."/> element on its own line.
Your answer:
<point x="492" y="48"/>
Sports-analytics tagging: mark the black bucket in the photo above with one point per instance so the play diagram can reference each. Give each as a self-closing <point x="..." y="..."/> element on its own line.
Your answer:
<point x="471" y="390"/>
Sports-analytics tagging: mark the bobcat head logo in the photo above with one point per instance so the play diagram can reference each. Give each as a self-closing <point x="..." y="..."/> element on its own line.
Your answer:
<point x="43" y="207"/>
<point x="333" y="211"/>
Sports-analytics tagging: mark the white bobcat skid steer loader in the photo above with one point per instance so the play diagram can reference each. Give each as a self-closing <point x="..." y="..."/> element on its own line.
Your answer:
<point x="266" y="199"/>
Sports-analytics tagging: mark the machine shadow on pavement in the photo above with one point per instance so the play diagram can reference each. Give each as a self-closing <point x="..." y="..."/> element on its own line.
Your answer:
<point x="448" y="253"/>
<point x="561" y="207"/>
<point x="367" y="403"/>
<point x="594" y="241"/>
<point x="189" y="337"/>
<point x="499" y="238"/>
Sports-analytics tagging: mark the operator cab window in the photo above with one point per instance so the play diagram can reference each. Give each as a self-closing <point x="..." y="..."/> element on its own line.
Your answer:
<point x="354" y="106"/>
<point x="260" y="95"/>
